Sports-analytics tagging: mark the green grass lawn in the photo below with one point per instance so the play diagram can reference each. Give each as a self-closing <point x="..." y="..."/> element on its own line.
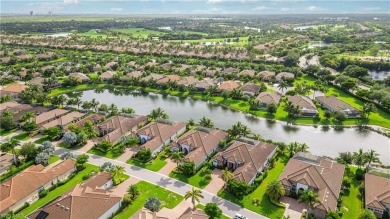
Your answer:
<point x="154" y="165"/>
<point x="265" y="207"/>
<point x="5" y="133"/>
<point x="138" y="32"/>
<point x="197" y="180"/>
<point x="22" y="136"/>
<point x="53" y="159"/>
<point x="352" y="199"/>
<point x="115" y="152"/>
<point x="44" y="138"/>
<point x="200" y="206"/>
<point x="168" y="199"/>
<point x="59" y="191"/>
<point x="92" y="33"/>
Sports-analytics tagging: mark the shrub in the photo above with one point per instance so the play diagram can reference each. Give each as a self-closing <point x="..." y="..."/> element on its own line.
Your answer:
<point x="187" y="168"/>
<point x="144" y="155"/>
<point x="359" y="175"/>
<point x="126" y="200"/>
<point x="25" y="205"/>
<point x="153" y="204"/>
<point x="347" y="183"/>
<point x="207" y="177"/>
<point x="238" y="188"/>
<point x="212" y="210"/>
<point x="43" y="193"/>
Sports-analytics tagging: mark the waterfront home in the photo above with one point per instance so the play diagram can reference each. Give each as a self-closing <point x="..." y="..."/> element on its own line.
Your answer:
<point x="49" y="116"/>
<point x="25" y="186"/>
<point x="266" y="75"/>
<point x="204" y="84"/>
<point x="13" y="90"/>
<point x="229" y="85"/>
<point x="247" y="158"/>
<point x="154" y="136"/>
<point x="63" y="120"/>
<point x="86" y="200"/>
<point x="322" y="175"/>
<point x="333" y="103"/>
<point x="187" y="81"/>
<point x="134" y="74"/>
<point x="306" y="106"/>
<point x="377" y="193"/>
<point x="84" y="78"/>
<point x="248" y="73"/>
<point x="231" y="70"/>
<point x="37" y="110"/>
<point x="13" y="107"/>
<point x="93" y="118"/>
<point x="110" y="66"/>
<point x="250" y="88"/>
<point x="198" y="145"/>
<point x="153" y="76"/>
<point x="169" y="78"/>
<point x="112" y="129"/>
<point x="107" y="75"/>
<point x="284" y="76"/>
<point x="266" y="98"/>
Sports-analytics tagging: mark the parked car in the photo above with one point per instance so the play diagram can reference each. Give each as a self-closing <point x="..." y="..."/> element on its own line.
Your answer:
<point x="239" y="216"/>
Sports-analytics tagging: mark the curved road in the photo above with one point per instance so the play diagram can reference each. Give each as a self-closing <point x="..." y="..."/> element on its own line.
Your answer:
<point x="227" y="207"/>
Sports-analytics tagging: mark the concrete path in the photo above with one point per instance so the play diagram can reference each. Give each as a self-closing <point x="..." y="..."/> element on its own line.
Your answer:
<point x="228" y="208"/>
<point x="167" y="169"/>
<point x="294" y="209"/>
<point x="128" y="154"/>
<point x="216" y="183"/>
<point x="4" y="139"/>
<point x="87" y="146"/>
<point x="120" y="190"/>
<point x="177" y="211"/>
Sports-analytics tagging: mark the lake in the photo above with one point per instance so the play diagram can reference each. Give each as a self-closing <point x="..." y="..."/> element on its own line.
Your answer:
<point x="318" y="44"/>
<point x="321" y="142"/>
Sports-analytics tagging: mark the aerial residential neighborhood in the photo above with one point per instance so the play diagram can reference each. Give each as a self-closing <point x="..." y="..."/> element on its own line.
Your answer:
<point x="181" y="109"/>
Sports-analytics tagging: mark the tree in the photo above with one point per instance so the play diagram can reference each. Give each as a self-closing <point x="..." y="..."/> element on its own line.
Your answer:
<point x="195" y="195"/>
<point x="187" y="168"/>
<point x="332" y="215"/>
<point x="70" y="138"/>
<point x="206" y="122"/>
<point x="67" y="155"/>
<point x="153" y="204"/>
<point x="82" y="159"/>
<point x="42" y="158"/>
<point x="367" y="109"/>
<point x="292" y="148"/>
<point x="107" y="167"/>
<point x="372" y="157"/>
<point x="177" y="157"/>
<point x="283" y="85"/>
<point x="158" y="113"/>
<point x="128" y="110"/>
<point x="94" y="104"/>
<point x="27" y="116"/>
<point x="133" y="191"/>
<point x="275" y="190"/>
<point x="113" y="109"/>
<point x="48" y="147"/>
<point x="359" y="158"/>
<point x="212" y="210"/>
<point x="367" y="214"/>
<point x="226" y="176"/>
<point x="89" y="130"/>
<point x="339" y="116"/>
<point x="144" y="155"/>
<point x="86" y="105"/>
<point x="271" y="108"/>
<point x="28" y="150"/>
<point x="59" y="100"/>
<point x="238" y="130"/>
<point x="7" y="121"/>
<point x="310" y="198"/>
<point x="104" y="146"/>
<point x="238" y="188"/>
<point x="128" y="141"/>
<point x="349" y="84"/>
<point x="11" y="145"/>
<point x="117" y="172"/>
<point x="345" y="158"/>
<point x="52" y="133"/>
<point x="302" y="147"/>
<point x="29" y="126"/>
<point x="355" y="71"/>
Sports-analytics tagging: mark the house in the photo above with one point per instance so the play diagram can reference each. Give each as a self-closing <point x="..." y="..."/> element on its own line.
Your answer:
<point x="25" y="186"/>
<point x="37" y="81"/>
<point x="229" y="85"/>
<point x="377" y="194"/>
<point x="198" y="145"/>
<point x="250" y="88"/>
<point x="93" y="118"/>
<point x="134" y="74"/>
<point x="204" y="84"/>
<point x="333" y="103"/>
<point x="96" y="68"/>
<point x="63" y="120"/>
<point x="87" y="200"/>
<point x="246" y="158"/>
<point x="111" y="65"/>
<point x="231" y="70"/>
<point x="34" y="109"/>
<point x="154" y="136"/>
<point x="323" y="176"/>
<point x="306" y="106"/>
<point x="190" y="213"/>
<point x="112" y="129"/>
<point x="107" y="75"/>
<point x="153" y="76"/>
<point x="248" y="73"/>
<point x="49" y="116"/>
<point x="169" y="78"/>
<point x="284" y="76"/>
<point x="266" y="98"/>
<point x="84" y="78"/>
<point x="166" y="66"/>
<point x="266" y="75"/>
<point x="187" y="81"/>
<point x="12" y="106"/>
<point x="13" y="90"/>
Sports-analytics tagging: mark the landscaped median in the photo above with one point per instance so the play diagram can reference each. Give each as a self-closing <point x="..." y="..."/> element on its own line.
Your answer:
<point x="168" y="199"/>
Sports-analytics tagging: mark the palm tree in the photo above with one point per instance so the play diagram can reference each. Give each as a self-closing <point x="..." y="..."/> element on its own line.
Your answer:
<point x="372" y="156"/>
<point x="11" y="145"/>
<point x="360" y="158"/>
<point x="310" y="198"/>
<point x="118" y="171"/>
<point x="94" y="104"/>
<point x="158" y="113"/>
<point x="367" y="109"/>
<point x="195" y="195"/>
<point x="133" y="191"/>
<point x="292" y="148"/>
<point x="238" y="130"/>
<point x="27" y="116"/>
<point x="128" y="110"/>
<point x="177" y="157"/>
<point x="302" y="148"/>
<point x="283" y="85"/>
<point x="275" y="190"/>
<point x="206" y="122"/>
<point x="226" y="176"/>
<point x="113" y="109"/>
<point x="345" y="158"/>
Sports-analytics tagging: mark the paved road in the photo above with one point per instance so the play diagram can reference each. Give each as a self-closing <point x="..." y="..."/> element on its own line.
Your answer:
<point x="228" y="208"/>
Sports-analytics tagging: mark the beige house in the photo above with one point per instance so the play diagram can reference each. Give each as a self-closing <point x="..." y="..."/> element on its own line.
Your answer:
<point x="306" y="106"/>
<point x="265" y="98"/>
<point x="377" y="194"/>
<point x="25" y="186"/>
<point x="63" y="120"/>
<point x="49" y="116"/>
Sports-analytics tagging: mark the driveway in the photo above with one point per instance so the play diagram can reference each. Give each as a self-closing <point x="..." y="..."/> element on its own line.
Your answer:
<point x="177" y="211"/>
<point x="128" y="154"/>
<point x="167" y="169"/>
<point x="121" y="189"/>
<point x="216" y="182"/>
<point x="228" y="208"/>
<point x="87" y="146"/>
<point x="294" y="209"/>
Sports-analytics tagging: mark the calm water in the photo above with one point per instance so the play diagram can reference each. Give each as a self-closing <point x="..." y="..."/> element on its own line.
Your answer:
<point x="321" y="142"/>
<point x="318" y="44"/>
<point x="379" y="75"/>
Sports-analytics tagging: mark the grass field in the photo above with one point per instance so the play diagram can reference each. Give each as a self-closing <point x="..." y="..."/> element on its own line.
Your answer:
<point x="154" y="165"/>
<point x="39" y="141"/>
<point x="265" y="207"/>
<point x="5" y="133"/>
<point x="168" y="199"/>
<point x="115" y="152"/>
<point x="22" y="136"/>
<point x="197" y="180"/>
<point x="352" y="199"/>
<point x="138" y="32"/>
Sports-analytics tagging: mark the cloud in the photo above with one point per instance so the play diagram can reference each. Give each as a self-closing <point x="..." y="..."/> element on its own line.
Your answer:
<point x="315" y="9"/>
<point x="261" y="8"/>
<point x="116" y="9"/>
<point x="71" y="1"/>
<point x="284" y="9"/>
<point x="369" y="9"/>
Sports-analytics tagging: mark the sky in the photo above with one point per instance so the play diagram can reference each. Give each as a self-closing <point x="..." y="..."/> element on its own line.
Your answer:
<point x="134" y="7"/>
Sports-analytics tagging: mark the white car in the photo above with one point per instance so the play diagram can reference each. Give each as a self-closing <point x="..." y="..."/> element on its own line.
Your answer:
<point x="239" y="216"/>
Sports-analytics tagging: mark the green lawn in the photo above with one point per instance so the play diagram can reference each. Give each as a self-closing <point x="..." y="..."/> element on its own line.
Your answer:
<point x="92" y="33"/>
<point x="115" y="152"/>
<point x="138" y="32"/>
<point x="352" y="199"/>
<point x="22" y="136"/>
<point x="197" y="180"/>
<point x="44" y="138"/>
<point x="5" y="133"/>
<point x="154" y="165"/>
<point x="53" y="159"/>
<point x="59" y="191"/>
<point x="200" y="206"/>
<point x="168" y="199"/>
<point x="265" y="207"/>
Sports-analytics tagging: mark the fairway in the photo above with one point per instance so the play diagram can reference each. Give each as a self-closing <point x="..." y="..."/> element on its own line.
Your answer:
<point x="138" y="32"/>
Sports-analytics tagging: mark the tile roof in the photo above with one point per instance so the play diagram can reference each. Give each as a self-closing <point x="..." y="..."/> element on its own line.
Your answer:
<point x="190" y="214"/>
<point x="229" y="85"/>
<point x="269" y="97"/>
<point x="335" y="104"/>
<point x="169" y="78"/>
<point x="46" y="116"/>
<point x="118" y="126"/>
<point x="303" y="102"/>
<point x="64" y="120"/>
<point x="377" y="191"/>
<point x="284" y="75"/>
<point x="80" y="75"/>
<point x="14" y="88"/>
<point x="108" y="74"/>
<point x="30" y="180"/>
<point x="188" y="80"/>
<point x="152" y="76"/>
<point x="322" y="174"/>
<point x="251" y="87"/>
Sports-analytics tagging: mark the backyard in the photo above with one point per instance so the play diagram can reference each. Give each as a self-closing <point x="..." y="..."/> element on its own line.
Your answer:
<point x="352" y="199"/>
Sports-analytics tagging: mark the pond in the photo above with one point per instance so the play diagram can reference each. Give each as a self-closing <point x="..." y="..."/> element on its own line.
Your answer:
<point x="321" y="142"/>
<point x="379" y="75"/>
<point x="318" y="44"/>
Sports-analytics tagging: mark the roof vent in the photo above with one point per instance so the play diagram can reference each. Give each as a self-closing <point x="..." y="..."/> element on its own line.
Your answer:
<point x="67" y="208"/>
